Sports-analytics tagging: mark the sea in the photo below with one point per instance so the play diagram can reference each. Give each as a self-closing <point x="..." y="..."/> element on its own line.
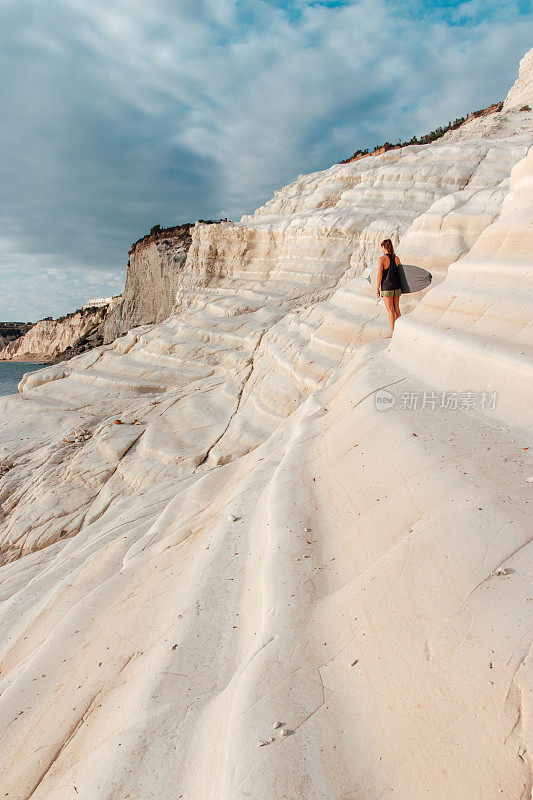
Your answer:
<point x="12" y="371"/>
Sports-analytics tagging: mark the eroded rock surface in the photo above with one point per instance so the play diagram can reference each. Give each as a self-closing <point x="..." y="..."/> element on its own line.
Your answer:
<point x="152" y="279"/>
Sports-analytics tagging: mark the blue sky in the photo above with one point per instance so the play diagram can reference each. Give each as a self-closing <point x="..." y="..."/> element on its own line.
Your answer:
<point x="120" y="114"/>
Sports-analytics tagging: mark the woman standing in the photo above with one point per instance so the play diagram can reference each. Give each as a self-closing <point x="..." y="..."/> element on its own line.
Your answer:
<point x="388" y="283"/>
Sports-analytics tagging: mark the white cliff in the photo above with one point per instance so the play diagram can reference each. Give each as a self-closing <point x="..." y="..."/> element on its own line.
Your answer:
<point x="49" y="338"/>
<point x="152" y="279"/>
<point x="209" y="527"/>
<point x="521" y="94"/>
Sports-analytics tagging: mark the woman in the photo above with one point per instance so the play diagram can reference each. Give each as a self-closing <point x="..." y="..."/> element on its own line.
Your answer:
<point x="388" y="284"/>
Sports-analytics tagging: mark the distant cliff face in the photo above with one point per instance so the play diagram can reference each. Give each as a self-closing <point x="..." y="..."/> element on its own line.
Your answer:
<point x="9" y="331"/>
<point x="154" y="270"/>
<point x="48" y="339"/>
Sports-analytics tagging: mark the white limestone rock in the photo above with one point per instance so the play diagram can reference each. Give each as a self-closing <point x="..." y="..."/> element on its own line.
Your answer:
<point x="521" y="93"/>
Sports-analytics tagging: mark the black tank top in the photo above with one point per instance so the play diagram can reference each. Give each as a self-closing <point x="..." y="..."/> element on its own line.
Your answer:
<point x="391" y="276"/>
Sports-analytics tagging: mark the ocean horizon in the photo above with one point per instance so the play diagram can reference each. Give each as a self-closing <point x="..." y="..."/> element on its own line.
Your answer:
<point x="11" y="373"/>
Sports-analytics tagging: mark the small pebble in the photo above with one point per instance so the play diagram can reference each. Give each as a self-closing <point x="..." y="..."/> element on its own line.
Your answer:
<point x="232" y="518"/>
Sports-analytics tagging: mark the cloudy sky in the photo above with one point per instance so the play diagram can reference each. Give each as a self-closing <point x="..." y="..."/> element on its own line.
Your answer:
<point x="120" y="114"/>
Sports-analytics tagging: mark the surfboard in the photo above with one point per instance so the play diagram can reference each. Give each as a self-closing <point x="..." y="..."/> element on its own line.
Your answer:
<point x="412" y="278"/>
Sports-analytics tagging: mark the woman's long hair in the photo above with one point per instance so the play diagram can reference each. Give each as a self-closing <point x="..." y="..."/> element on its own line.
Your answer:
<point x="387" y="244"/>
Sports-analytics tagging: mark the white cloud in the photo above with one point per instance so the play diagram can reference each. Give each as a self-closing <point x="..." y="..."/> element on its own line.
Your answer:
<point x="27" y="280"/>
<point x="119" y="114"/>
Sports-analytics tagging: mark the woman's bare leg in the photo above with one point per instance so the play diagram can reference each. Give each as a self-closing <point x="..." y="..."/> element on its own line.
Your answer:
<point x="389" y="305"/>
<point x="397" y="307"/>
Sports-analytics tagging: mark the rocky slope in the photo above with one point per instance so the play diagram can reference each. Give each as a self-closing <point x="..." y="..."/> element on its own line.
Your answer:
<point x="50" y="339"/>
<point x="209" y="526"/>
<point x="9" y="331"/>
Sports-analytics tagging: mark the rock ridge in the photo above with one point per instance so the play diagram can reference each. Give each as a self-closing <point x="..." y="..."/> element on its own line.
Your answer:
<point x="55" y="339"/>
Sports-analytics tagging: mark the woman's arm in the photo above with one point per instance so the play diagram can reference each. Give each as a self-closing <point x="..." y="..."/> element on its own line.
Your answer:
<point x="380" y="275"/>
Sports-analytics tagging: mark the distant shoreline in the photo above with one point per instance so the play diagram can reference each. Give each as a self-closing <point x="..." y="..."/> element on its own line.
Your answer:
<point x="34" y="360"/>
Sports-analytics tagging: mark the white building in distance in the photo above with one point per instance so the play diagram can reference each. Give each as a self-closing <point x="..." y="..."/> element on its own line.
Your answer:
<point x="99" y="302"/>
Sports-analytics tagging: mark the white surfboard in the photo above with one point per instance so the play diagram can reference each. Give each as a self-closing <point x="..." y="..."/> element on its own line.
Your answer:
<point x="413" y="279"/>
